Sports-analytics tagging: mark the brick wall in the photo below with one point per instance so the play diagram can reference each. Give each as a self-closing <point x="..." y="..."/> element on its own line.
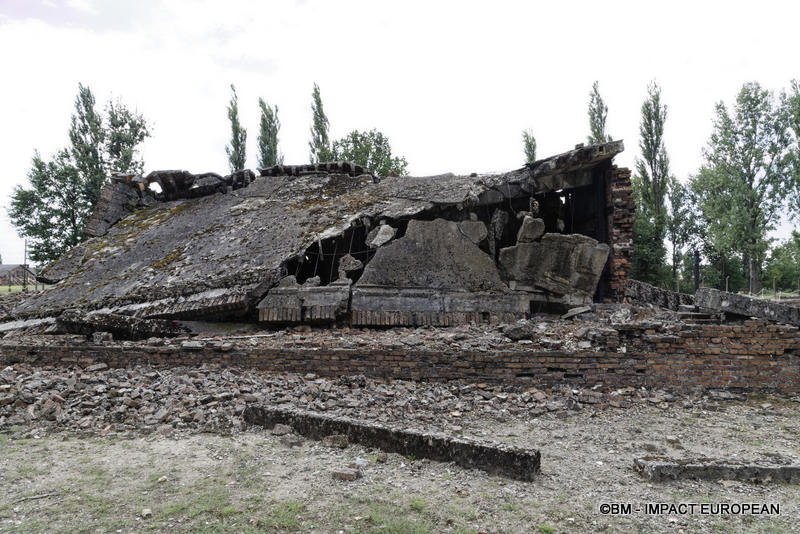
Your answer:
<point x="619" y="199"/>
<point x="756" y="356"/>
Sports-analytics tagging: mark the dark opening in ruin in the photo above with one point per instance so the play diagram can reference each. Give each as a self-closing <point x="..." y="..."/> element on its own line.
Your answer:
<point x="322" y="258"/>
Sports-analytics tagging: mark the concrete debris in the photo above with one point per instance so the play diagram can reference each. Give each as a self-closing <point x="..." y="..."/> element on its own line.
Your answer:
<point x="380" y="236"/>
<point x="348" y="263"/>
<point x="290" y="303"/>
<point x="773" y="469"/>
<point x="509" y="461"/>
<point x="567" y="266"/>
<point x="116" y="325"/>
<point x="475" y="231"/>
<point x="435" y="255"/>
<point x="643" y="293"/>
<point x="179" y="245"/>
<point x="743" y="305"/>
<point x="572" y="312"/>
<point x="212" y="398"/>
<point x="346" y="474"/>
<point x="435" y="274"/>
<point x="531" y="230"/>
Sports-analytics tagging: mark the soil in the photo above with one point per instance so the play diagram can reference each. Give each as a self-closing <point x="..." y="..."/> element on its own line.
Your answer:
<point x="250" y="480"/>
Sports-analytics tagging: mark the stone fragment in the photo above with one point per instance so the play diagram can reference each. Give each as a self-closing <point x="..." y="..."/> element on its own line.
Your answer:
<point x="412" y="341"/>
<point x="192" y="344"/>
<point x="281" y="430"/>
<point x="497" y="227"/>
<point x="99" y="338"/>
<point x="120" y="326"/>
<point x="97" y="367"/>
<point x="531" y="230"/>
<point x="705" y="297"/>
<point x="559" y="264"/>
<point x="774" y="469"/>
<point x="572" y="312"/>
<point x="380" y="236"/>
<point x="291" y="440"/>
<point x="475" y="230"/>
<point x="620" y="316"/>
<point x="336" y="441"/>
<point x="433" y="254"/>
<point x="348" y="263"/>
<point x="643" y="293"/>
<point x="359" y="463"/>
<point x="146" y="513"/>
<point x="347" y="474"/>
<point x="520" y="330"/>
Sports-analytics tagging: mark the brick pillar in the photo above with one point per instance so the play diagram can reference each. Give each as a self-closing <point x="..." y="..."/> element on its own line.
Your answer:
<point x="620" y="213"/>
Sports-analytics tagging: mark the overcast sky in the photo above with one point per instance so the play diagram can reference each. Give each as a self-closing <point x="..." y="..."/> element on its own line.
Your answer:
<point x="452" y="84"/>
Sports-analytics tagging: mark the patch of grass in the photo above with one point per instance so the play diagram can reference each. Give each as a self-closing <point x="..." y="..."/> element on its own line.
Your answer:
<point x="284" y="515"/>
<point x="417" y="504"/>
<point x="546" y="529"/>
<point x="510" y="507"/>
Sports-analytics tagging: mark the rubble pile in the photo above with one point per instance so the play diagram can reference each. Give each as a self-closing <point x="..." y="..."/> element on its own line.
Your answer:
<point x="595" y="328"/>
<point x="98" y="399"/>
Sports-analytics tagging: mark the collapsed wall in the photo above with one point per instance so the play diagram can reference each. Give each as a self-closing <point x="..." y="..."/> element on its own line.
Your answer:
<point x="331" y="242"/>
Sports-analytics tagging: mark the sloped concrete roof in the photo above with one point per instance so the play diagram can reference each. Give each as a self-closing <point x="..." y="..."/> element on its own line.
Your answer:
<point x="222" y="252"/>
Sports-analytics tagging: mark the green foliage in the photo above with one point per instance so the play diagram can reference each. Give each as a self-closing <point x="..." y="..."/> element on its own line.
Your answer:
<point x="269" y="126"/>
<point x="53" y="209"/>
<point x="87" y="138"/>
<point x="370" y="149"/>
<point x="125" y="132"/>
<point x="652" y="170"/>
<point x="747" y="176"/>
<point x="237" y="150"/>
<point x="319" y="144"/>
<point x="529" y="146"/>
<point x="598" y="111"/>
<point x="649" y="253"/>
<point x="649" y="186"/>
<point x="783" y="264"/>
<point x="792" y="106"/>
<point x="680" y="225"/>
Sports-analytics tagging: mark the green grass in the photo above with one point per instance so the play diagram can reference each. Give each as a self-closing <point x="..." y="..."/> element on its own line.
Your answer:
<point x="417" y="504"/>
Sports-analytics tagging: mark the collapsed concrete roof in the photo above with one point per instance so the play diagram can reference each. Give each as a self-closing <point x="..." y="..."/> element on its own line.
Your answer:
<point x="209" y="246"/>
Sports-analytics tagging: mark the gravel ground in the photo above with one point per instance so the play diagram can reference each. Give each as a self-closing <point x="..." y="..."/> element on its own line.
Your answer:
<point x="60" y="473"/>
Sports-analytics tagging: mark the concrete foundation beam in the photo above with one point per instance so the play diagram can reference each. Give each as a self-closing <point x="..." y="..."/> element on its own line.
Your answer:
<point x="660" y="469"/>
<point x="714" y="299"/>
<point x="504" y="460"/>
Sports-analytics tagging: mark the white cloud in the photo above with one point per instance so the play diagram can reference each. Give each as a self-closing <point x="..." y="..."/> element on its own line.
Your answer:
<point x="85" y="6"/>
<point x="451" y="83"/>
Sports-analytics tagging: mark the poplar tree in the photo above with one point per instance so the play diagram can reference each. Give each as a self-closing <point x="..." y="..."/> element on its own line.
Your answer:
<point x="649" y="186"/>
<point x="269" y="126"/>
<point x="319" y="143"/>
<point x="237" y="150"/>
<point x="124" y="133"/>
<point x="598" y="111"/>
<point x="529" y="146"/>
<point x="87" y="138"/>
<point x="679" y="224"/>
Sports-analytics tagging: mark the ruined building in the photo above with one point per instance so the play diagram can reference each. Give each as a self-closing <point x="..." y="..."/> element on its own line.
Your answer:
<point x="331" y="242"/>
